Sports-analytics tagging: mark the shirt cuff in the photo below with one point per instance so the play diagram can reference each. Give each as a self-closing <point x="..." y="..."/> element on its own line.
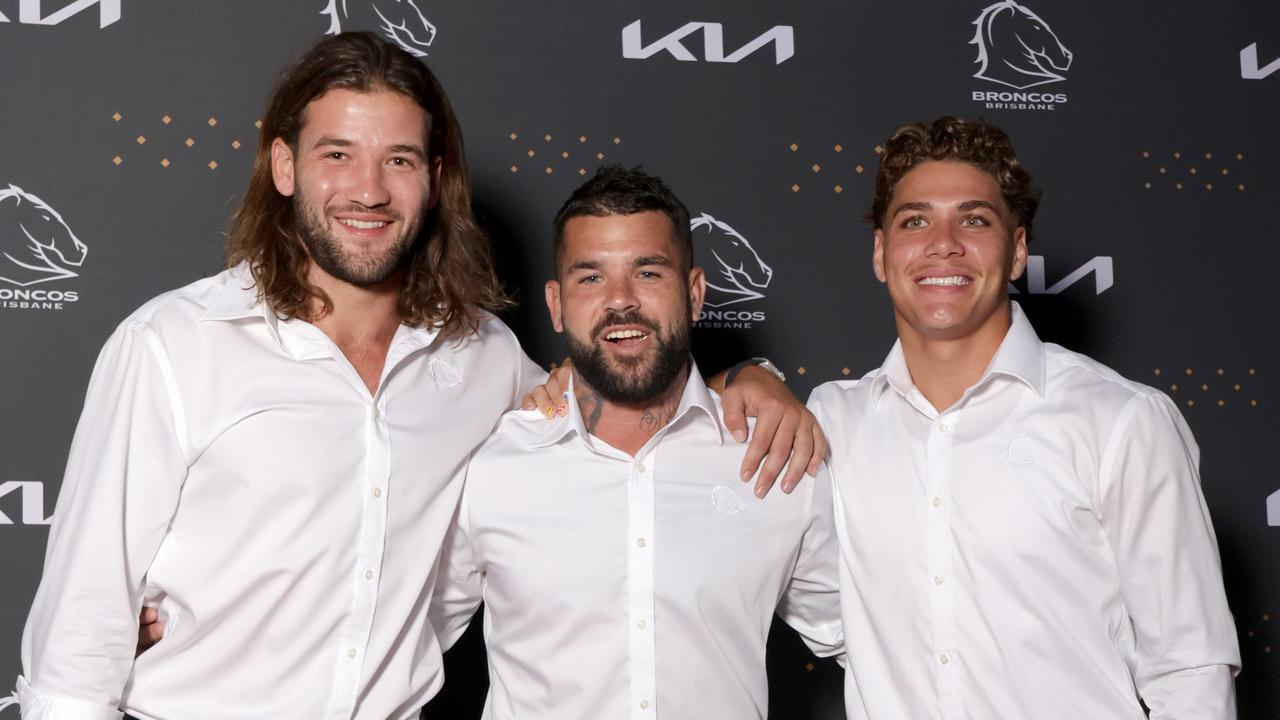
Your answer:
<point x="37" y="706"/>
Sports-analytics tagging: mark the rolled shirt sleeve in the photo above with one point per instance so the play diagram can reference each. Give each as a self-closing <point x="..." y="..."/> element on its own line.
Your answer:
<point x="119" y="493"/>
<point x="1154" y="513"/>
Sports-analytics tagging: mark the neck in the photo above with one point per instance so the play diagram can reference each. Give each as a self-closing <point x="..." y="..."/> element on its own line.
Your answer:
<point x="943" y="368"/>
<point x="624" y="426"/>
<point x="362" y="323"/>
<point x="359" y="314"/>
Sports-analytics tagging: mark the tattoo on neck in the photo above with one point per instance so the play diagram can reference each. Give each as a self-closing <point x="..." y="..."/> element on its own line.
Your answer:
<point x="657" y="416"/>
<point x="591" y="405"/>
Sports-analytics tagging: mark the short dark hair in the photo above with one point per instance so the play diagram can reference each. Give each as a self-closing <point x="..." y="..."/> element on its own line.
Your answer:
<point x="950" y="138"/>
<point x="615" y="190"/>
<point x="451" y="276"/>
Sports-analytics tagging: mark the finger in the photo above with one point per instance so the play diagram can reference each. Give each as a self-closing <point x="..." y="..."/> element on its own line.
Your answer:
<point x="801" y="452"/>
<point x="820" y="448"/>
<point x="735" y="419"/>
<point x="543" y="402"/>
<point x="779" y="452"/>
<point x="148" y="616"/>
<point x="766" y="427"/>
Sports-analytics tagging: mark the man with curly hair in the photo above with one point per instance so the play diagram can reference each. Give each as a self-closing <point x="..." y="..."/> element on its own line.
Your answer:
<point x="1022" y="530"/>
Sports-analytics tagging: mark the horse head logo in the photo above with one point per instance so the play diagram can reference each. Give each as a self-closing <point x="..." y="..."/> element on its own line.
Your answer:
<point x="734" y="269"/>
<point x="1017" y="48"/>
<point x="400" y="21"/>
<point x="35" y="243"/>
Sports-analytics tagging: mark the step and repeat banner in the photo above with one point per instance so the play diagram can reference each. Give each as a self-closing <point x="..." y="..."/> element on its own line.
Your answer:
<point x="128" y="128"/>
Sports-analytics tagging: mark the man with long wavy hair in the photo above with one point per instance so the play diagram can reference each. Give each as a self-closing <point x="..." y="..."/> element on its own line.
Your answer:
<point x="1022" y="531"/>
<point x="271" y="456"/>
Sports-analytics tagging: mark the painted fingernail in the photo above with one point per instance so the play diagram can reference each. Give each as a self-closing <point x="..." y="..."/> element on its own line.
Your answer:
<point x="549" y="410"/>
<point x="562" y="409"/>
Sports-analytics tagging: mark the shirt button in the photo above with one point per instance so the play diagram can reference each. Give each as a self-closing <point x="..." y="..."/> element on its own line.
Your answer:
<point x="642" y="625"/>
<point x="644" y="704"/>
<point x="377" y="492"/>
<point x="351" y="653"/>
<point x="640" y="542"/>
<point x="937" y="502"/>
<point x="942" y="427"/>
<point x="944" y="659"/>
<point x="642" y="467"/>
<point x="937" y="579"/>
<point x="368" y="574"/>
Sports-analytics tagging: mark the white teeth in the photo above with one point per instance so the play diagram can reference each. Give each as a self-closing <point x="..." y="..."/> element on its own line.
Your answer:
<point x="363" y="224"/>
<point x="949" y="280"/>
<point x="623" y="334"/>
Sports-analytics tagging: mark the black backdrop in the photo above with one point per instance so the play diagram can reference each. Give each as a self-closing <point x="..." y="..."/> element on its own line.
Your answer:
<point x="1155" y="144"/>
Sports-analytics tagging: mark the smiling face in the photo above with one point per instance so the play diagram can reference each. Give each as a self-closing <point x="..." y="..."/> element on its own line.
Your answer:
<point x="625" y="302"/>
<point x="360" y="182"/>
<point x="947" y="251"/>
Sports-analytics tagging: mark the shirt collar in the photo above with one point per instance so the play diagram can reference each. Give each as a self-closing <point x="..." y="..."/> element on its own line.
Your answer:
<point x="1020" y="356"/>
<point x="696" y="401"/>
<point x="240" y="299"/>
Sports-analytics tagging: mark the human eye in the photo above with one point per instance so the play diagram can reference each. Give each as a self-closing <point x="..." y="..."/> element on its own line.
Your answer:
<point x="974" y="221"/>
<point x="589" y="279"/>
<point x="335" y="155"/>
<point x="914" y="222"/>
<point x="401" y="162"/>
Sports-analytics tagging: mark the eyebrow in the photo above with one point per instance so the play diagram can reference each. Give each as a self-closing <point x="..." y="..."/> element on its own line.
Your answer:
<point x="965" y="206"/>
<point x="341" y="142"/>
<point x="661" y="260"/>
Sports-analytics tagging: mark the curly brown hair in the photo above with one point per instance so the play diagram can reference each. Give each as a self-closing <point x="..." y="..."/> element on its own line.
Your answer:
<point x="950" y="138"/>
<point x="450" y="274"/>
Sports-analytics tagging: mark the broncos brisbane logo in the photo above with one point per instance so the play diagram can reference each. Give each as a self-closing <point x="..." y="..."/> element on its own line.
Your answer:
<point x="1017" y="48"/>
<point x="735" y="272"/>
<point x="400" y="21"/>
<point x="35" y="243"/>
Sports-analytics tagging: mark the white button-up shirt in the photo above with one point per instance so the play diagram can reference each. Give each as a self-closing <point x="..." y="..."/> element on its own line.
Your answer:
<point x="1039" y="550"/>
<point x="628" y="588"/>
<point x="234" y="469"/>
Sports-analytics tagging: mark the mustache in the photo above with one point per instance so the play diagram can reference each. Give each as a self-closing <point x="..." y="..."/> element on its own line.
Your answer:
<point x="629" y="317"/>
<point x="358" y="208"/>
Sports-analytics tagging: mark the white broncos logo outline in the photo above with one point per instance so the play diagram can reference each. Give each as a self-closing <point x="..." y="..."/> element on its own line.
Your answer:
<point x="41" y="247"/>
<point x="1017" y="48"/>
<point x="395" y="28"/>
<point x="737" y="270"/>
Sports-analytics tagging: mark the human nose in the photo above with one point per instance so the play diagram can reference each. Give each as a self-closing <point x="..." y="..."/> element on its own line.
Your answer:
<point x="944" y="243"/>
<point x="368" y="186"/>
<point x="622" y="296"/>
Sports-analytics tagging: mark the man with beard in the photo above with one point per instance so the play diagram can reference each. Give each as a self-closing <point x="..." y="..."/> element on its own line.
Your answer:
<point x="272" y="455"/>
<point x="1022" y="531"/>
<point x="608" y="547"/>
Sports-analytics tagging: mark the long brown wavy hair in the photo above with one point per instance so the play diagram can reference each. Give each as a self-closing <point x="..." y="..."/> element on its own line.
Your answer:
<point x="949" y="138"/>
<point x="450" y="276"/>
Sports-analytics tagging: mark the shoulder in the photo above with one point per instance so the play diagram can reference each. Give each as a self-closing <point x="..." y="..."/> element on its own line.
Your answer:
<point x="841" y="398"/>
<point x="189" y="302"/>
<point x="1074" y="376"/>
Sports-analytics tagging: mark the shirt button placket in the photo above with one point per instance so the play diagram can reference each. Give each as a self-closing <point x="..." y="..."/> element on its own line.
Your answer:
<point x="940" y="447"/>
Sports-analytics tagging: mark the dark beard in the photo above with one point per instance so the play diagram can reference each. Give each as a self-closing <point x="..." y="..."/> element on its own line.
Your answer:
<point x="327" y="253"/>
<point x="634" y="383"/>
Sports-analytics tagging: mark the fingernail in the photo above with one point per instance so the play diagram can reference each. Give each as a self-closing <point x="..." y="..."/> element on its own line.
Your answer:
<point x="739" y="435"/>
<point x="549" y="411"/>
<point x="562" y="409"/>
<point x="746" y="475"/>
<point x="760" y="492"/>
